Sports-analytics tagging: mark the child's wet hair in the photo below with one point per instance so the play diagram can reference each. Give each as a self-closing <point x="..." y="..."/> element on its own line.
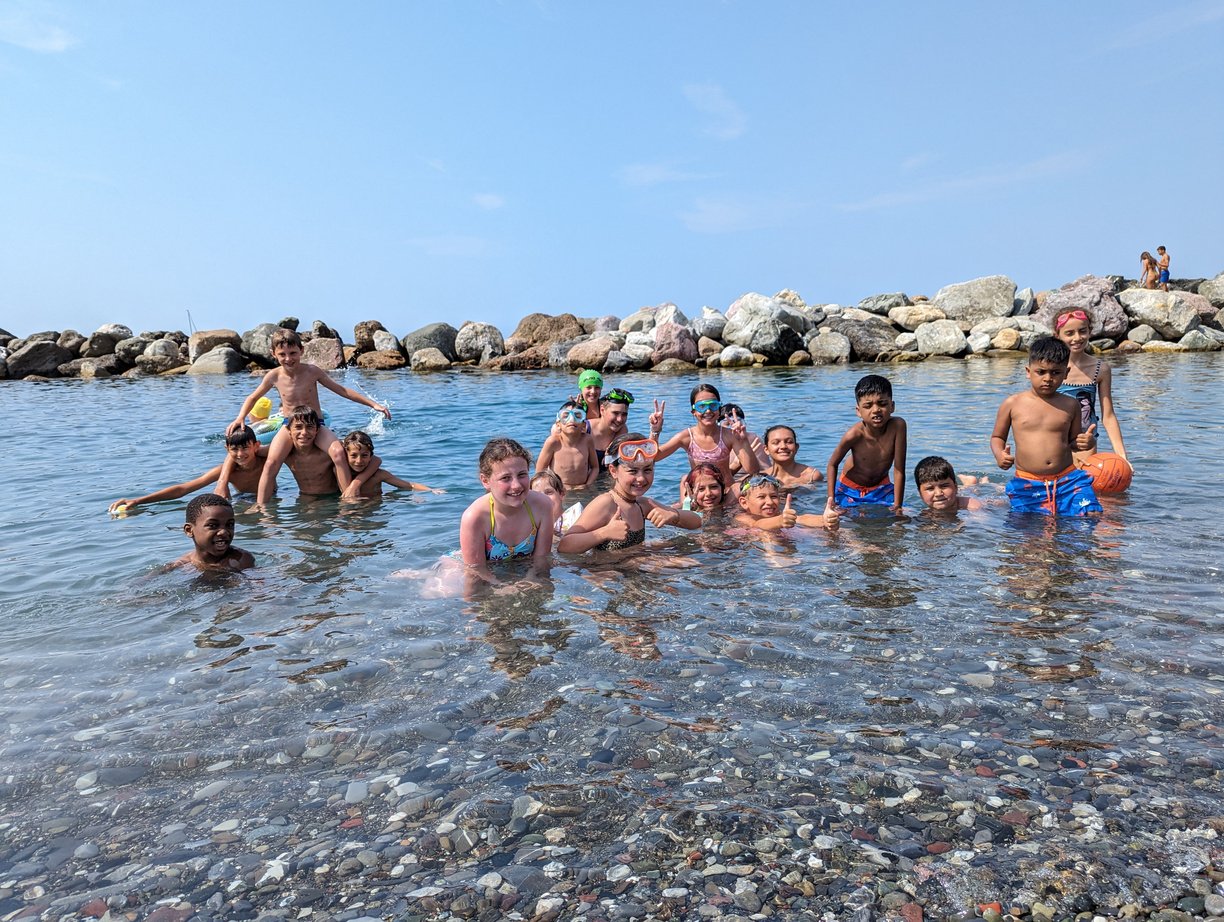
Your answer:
<point x="239" y="437"/>
<point x="611" y="456"/>
<point x="286" y="337"/>
<point x="933" y="469"/>
<point x="196" y="507"/>
<point x="709" y="470"/>
<point x="306" y="414"/>
<point x="1067" y="312"/>
<point x="731" y="409"/>
<point x="703" y="388"/>
<point x="499" y="449"/>
<point x="873" y="386"/>
<point x="771" y="429"/>
<point x="572" y="403"/>
<point x="550" y="476"/>
<point x="1049" y="349"/>
<point x="357" y="437"/>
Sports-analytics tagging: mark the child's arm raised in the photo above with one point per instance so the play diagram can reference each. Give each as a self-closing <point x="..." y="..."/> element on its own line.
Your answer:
<point x="899" y="443"/>
<point x="174" y="492"/>
<point x="1108" y="418"/>
<point x="356" y="396"/>
<point x="747" y="457"/>
<point x="677" y="441"/>
<point x="268" y="382"/>
<point x="660" y="515"/>
<point x="784" y="519"/>
<point x="998" y="438"/>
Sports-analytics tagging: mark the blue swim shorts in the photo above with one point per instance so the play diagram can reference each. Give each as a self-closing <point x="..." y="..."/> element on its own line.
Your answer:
<point x="847" y="494"/>
<point x="1068" y="493"/>
<point x="1164" y="276"/>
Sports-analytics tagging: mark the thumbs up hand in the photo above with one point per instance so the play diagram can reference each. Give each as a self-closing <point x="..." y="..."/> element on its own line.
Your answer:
<point x="788" y="514"/>
<point x="1086" y="440"/>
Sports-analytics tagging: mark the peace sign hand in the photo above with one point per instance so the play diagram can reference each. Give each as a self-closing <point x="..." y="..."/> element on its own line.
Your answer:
<point x="656" y="418"/>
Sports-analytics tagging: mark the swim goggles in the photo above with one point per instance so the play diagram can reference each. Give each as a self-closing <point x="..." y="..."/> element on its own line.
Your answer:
<point x="1069" y="315"/>
<point x="571" y="415"/>
<point x="616" y="395"/>
<point x="759" y="480"/>
<point x="707" y="406"/>
<point x="637" y="449"/>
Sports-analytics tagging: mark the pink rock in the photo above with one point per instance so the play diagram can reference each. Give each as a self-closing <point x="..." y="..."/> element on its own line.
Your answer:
<point x="673" y="341"/>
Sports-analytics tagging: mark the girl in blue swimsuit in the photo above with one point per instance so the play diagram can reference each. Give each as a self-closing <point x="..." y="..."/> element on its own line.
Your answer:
<point x="1089" y="382"/>
<point x="511" y="520"/>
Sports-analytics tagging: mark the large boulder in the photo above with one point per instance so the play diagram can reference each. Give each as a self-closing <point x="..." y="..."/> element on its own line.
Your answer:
<point x="912" y="317"/>
<point x="222" y="359"/>
<point x="674" y="367"/>
<point x="827" y="347"/>
<point x="763" y="335"/>
<point x="1201" y="304"/>
<point x="97" y="345"/>
<point x="71" y="340"/>
<point x="363" y="335"/>
<point x="430" y="359"/>
<point x="993" y="325"/>
<point x="884" y="305"/>
<point x="711" y="324"/>
<point x="1164" y="311"/>
<point x="637" y="353"/>
<point x="320" y="330"/>
<point x="1198" y="341"/>
<point x="639" y="321"/>
<point x="1025" y="302"/>
<point x="479" y="341"/>
<point x="591" y="353"/>
<point x="105" y="367"/>
<point x="163" y="348"/>
<point x="257" y="343"/>
<point x="674" y="341"/>
<point x="529" y="359"/>
<point x="1213" y="290"/>
<point x="385" y="342"/>
<point x="43" y="336"/>
<point x="669" y="313"/>
<point x="325" y="351"/>
<point x="126" y="350"/>
<point x="942" y="337"/>
<point x="203" y="342"/>
<point x="870" y="336"/>
<point x="543" y="330"/>
<point x="617" y="361"/>
<point x="735" y="357"/>
<point x="972" y="301"/>
<point x="1143" y="334"/>
<point x="707" y="346"/>
<point x="440" y="336"/>
<point x="753" y="305"/>
<point x="384" y="359"/>
<point x="158" y="359"/>
<point x="1090" y="292"/>
<point x="605" y="324"/>
<point x="116" y="330"/>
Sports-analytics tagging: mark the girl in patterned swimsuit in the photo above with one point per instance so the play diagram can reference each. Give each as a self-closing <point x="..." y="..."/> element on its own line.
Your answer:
<point x="707" y="441"/>
<point x="1089" y="382"/>
<point x="511" y="520"/>
<point x="617" y="519"/>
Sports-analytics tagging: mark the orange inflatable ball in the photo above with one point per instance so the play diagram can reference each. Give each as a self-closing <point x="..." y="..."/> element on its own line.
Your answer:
<point x="1109" y="472"/>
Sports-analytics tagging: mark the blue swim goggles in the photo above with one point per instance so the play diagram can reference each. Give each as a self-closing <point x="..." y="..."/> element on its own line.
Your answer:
<point x="707" y="406"/>
<point x="759" y="480"/>
<point x="571" y="415"/>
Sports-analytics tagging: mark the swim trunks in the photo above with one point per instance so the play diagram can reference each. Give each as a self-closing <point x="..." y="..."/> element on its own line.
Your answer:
<point x="1067" y="493"/>
<point x="1164" y="276"/>
<point x="846" y="493"/>
<point x="496" y="549"/>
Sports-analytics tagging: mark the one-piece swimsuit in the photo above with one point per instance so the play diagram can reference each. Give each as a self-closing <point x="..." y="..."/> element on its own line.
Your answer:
<point x="496" y="549"/>
<point x="637" y="536"/>
<point x="716" y="455"/>
<point x="1085" y="394"/>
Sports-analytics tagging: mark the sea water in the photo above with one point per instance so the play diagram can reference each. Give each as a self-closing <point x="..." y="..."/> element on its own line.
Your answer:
<point x="716" y="675"/>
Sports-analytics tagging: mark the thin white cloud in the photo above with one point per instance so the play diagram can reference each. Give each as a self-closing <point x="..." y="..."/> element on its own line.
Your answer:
<point x="450" y="245"/>
<point x="918" y="161"/>
<point x="26" y="26"/>
<point x="727" y="120"/>
<point x="653" y="174"/>
<point x="437" y="165"/>
<point x="489" y="201"/>
<point x="1169" y="21"/>
<point x="726" y="216"/>
<point x="1054" y="165"/>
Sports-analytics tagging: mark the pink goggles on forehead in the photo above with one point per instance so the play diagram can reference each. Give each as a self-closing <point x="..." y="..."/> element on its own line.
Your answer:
<point x="1069" y="315"/>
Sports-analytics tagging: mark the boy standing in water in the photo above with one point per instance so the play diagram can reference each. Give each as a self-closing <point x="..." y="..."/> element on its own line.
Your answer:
<point x="875" y="443"/>
<point x="313" y="469"/>
<point x="1046" y="425"/>
<point x="612" y="420"/>
<point x="298" y="382"/>
<point x="210" y="526"/>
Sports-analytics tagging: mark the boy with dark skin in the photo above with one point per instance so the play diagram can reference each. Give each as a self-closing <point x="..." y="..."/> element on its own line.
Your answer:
<point x="243" y="465"/>
<point x="1046" y="426"/>
<point x="875" y="443"/>
<point x="312" y="467"/>
<point x="210" y="526"/>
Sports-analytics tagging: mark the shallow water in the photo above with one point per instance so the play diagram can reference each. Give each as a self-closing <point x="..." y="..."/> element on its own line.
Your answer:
<point x="714" y="674"/>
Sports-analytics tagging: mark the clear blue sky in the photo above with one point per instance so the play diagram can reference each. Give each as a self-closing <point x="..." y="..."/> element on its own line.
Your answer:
<point x="421" y="161"/>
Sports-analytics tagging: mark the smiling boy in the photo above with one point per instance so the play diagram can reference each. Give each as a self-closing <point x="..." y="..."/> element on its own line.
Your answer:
<point x="210" y="526"/>
<point x="314" y="469"/>
<point x="570" y="450"/>
<point x="1046" y="426"/>
<point x="936" y="482"/>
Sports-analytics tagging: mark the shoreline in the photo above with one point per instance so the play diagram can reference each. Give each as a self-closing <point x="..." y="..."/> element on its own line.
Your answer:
<point x="985" y="317"/>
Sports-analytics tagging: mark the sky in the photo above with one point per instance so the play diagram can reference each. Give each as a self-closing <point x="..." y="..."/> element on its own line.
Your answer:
<point x="179" y="165"/>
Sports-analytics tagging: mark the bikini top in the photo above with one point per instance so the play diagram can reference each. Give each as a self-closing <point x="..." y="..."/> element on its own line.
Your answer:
<point x="716" y="455"/>
<point x="1085" y="393"/>
<point x="634" y="537"/>
<point x="496" y="549"/>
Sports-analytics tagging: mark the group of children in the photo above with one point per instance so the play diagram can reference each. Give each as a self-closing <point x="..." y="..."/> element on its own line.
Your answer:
<point x="1053" y="425"/>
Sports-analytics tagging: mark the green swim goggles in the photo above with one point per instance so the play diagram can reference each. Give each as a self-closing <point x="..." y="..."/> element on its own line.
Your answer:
<point x="759" y="480"/>
<point x="616" y="395"/>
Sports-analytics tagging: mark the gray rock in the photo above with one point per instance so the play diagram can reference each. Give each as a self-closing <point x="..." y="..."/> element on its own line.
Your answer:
<point x="993" y="325"/>
<point x="126" y="350"/>
<point x="1201" y="304"/>
<point x="978" y="343"/>
<point x="1143" y="334"/>
<point x="222" y="360"/>
<point x="1164" y="311"/>
<point x="884" y="304"/>
<point x="673" y="341"/>
<point x="320" y="330"/>
<point x="638" y="321"/>
<point x="973" y="301"/>
<point x="97" y="345"/>
<point x="440" y="336"/>
<point x="1090" y="292"/>
<point x="71" y="340"/>
<point x="363" y="335"/>
<point x="941" y="337"/>
<point x="116" y="331"/>
<point x="203" y="342"/>
<point x="160" y="362"/>
<point x="324" y="351"/>
<point x="617" y="361"/>
<point x="827" y="347"/>
<point x="41" y="357"/>
<point x="870" y="336"/>
<point x="163" y="348"/>
<point x="734" y="357"/>
<point x="605" y="324"/>
<point x="639" y="354"/>
<point x="105" y="367"/>
<point x="479" y="341"/>
<point x="669" y="313"/>
<point x="558" y="353"/>
<point x="673" y="367"/>
<point x="3" y="368"/>
<point x="1213" y="290"/>
<point x="590" y="354"/>
<point x="1198" y="341"/>
<point x="907" y="342"/>
<point x="1025" y="302"/>
<point x="71" y="368"/>
<point x="711" y="324"/>
<point x="646" y="338"/>
<point x="911" y="318"/>
<point x="429" y="359"/>
<point x="385" y="342"/>
<point x="753" y="306"/>
<point x="257" y="343"/>
<point x="289" y="323"/>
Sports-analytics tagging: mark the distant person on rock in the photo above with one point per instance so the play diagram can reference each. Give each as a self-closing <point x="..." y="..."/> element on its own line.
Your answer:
<point x="1164" y="268"/>
<point x="1147" y="270"/>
